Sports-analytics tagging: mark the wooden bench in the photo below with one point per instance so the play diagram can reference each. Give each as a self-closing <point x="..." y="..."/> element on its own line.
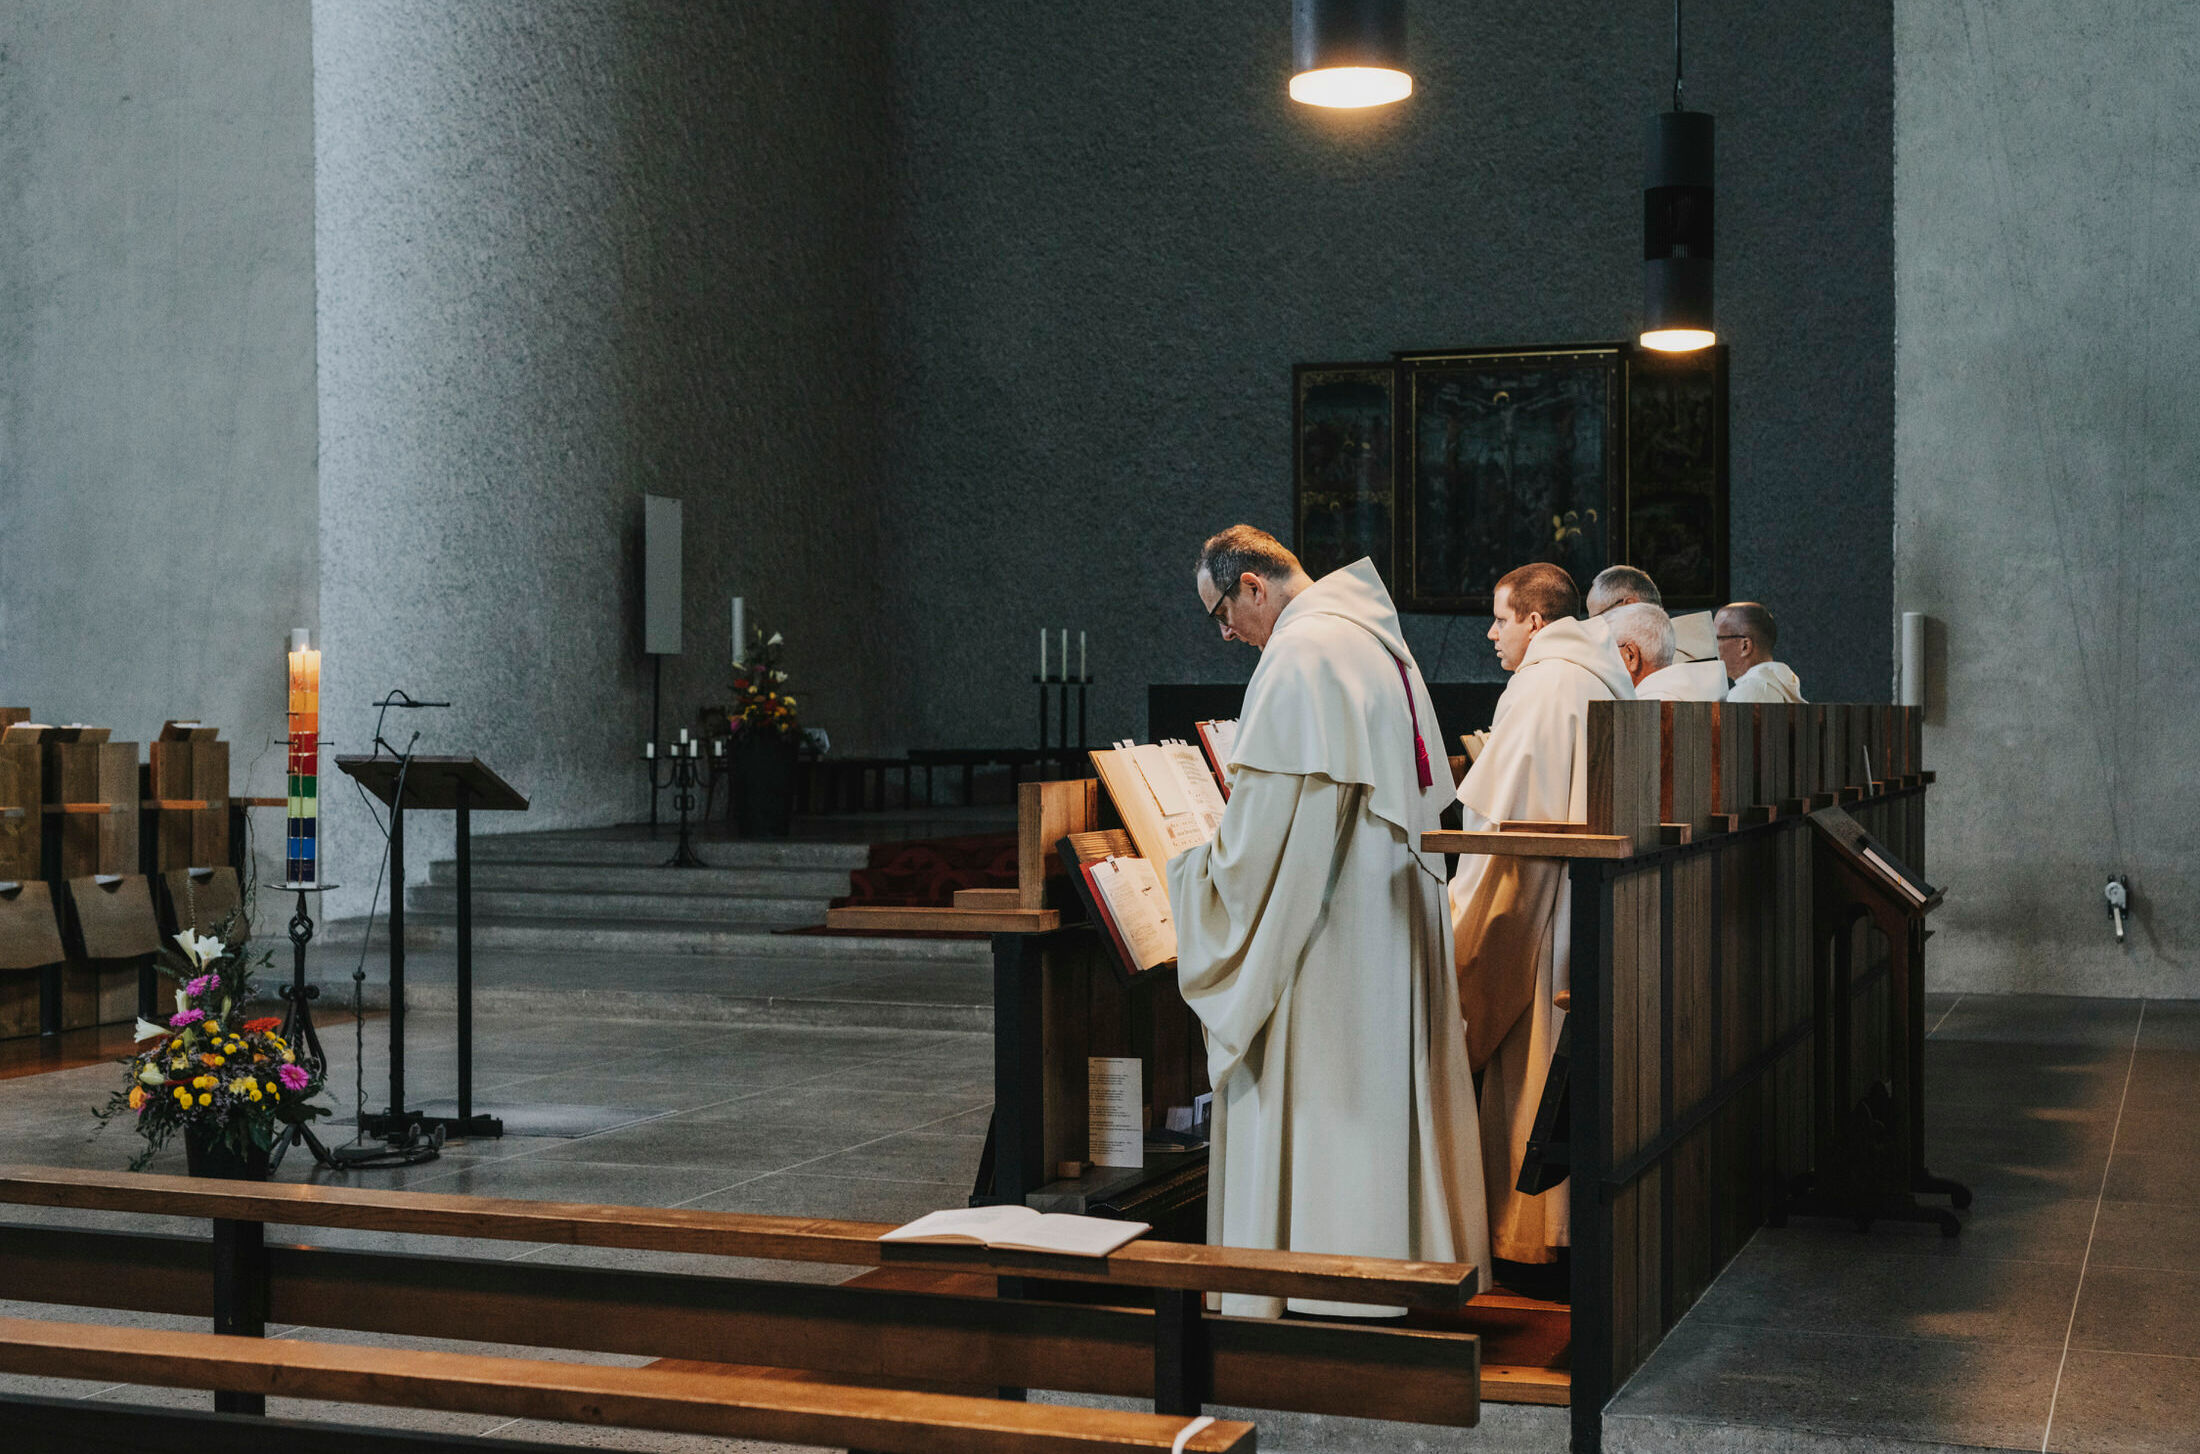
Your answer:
<point x="664" y="1400"/>
<point x="1154" y="1341"/>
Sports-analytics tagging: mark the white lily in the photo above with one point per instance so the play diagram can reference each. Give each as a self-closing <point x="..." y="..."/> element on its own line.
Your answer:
<point x="203" y="949"/>
<point x="776" y="639"/>
<point x="146" y="1029"/>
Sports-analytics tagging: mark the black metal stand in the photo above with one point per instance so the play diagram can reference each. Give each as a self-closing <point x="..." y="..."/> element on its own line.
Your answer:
<point x="689" y="771"/>
<point x="401" y="1121"/>
<point x="1054" y="703"/>
<point x="298" y="1030"/>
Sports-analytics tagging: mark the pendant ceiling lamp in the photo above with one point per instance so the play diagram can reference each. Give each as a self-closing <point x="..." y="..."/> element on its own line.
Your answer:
<point x="1676" y="224"/>
<point x="1349" y="52"/>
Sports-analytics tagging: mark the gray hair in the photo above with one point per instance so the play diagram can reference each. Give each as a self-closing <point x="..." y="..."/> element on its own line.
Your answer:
<point x="1229" y="554"/>
<point x="1617" y="585"/>
<point x="1646" y="628"/>
<point x="1753" y="621"/>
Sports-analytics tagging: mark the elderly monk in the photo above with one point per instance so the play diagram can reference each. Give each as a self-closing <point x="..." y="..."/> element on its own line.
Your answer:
<point x="1643" y="636"/>
<point x="1747" y="637"/>
<point x="1621" y="585"/>
<point x="1510" y="915"/>
<point x="1311" y="939"/>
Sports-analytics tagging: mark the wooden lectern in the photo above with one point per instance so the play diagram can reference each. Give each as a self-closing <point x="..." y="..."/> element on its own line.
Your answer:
<point x="461" y="785"/>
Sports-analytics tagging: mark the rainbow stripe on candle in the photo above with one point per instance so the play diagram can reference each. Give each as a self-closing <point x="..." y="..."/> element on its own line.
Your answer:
<point x="301" y="855"/>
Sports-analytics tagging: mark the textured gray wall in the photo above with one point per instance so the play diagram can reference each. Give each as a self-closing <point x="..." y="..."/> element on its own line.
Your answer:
<point x="156" y="363"/>
<point x="2046" y="206"/>
<point x="571" y="253"/>
<point x="1114" y="235"/>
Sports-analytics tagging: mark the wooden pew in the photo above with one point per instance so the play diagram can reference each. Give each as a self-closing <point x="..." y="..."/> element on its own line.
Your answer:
<point x="893" y="1421"/>
<point x="1169" y="1351"/>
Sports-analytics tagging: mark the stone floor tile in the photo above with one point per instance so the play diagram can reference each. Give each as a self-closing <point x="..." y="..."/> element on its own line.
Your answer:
<point x="838" y="1198"/>
<point x="1810" y="1287"/>
<point x="1956" y="1392"/>
<point x="950" y="1161"/>
<point x="2139" y="1310"/>
<point x="2147" y="1234"/>
<point x="2126" y="1403"/>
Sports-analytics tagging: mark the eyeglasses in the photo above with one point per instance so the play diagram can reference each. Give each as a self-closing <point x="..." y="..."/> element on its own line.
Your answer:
<point x="1214" y="612"/>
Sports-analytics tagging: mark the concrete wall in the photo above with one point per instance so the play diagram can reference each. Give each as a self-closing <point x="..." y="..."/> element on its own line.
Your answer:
<point x="571" y="253"/>
<point x="2046" y="206"/>
<point x="1114" y="235"/>
<point x="157" y="506"/>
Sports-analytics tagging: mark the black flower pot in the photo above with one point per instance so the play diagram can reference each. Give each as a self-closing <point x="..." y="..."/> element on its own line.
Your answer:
<point x="206" y="1154"/>
<point x="763" y="784"/>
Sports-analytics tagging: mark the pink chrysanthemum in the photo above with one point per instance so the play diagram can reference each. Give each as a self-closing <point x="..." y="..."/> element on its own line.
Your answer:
<point x="185" y="1017"/>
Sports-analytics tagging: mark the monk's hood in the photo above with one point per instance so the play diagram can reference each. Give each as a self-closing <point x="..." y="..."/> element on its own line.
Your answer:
<point x="1587" y="645"/>
<point x="1357" y="594"/>
<point x="1695" y="638"/>
<point x="1778" y="674"/>
<point x="1321" y="703"/>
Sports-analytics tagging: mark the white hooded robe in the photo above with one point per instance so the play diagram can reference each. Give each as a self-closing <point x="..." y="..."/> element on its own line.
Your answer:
<point x="1312" y="944"/>
<point x="1767" y="681"/>
<point x="1511" y="916"/>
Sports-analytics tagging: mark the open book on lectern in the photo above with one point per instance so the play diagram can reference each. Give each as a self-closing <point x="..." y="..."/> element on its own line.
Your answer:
<point x="1167" y="799"/>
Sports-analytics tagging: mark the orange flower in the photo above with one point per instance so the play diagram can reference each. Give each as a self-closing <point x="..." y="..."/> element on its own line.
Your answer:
<point x="263" y="1024"/>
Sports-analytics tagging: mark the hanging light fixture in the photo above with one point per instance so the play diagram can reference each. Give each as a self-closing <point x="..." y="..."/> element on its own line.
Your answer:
<point x="1349" y="52"/>
<point x="1676" y="224"/>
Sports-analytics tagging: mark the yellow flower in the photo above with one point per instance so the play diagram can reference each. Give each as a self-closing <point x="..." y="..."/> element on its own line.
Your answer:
<point x="184" y="1096"/>
<point x="240" y="1085"/>
<point x="207" y="1099"/>
<point x="206" y="1082"/>
<point x="270" y="1087"/>
<point x="137" y="1098"/>
<point x="211" y="1059"/>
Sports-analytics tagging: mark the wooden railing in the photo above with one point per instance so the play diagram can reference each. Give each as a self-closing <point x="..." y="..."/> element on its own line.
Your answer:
<point x="1696" y="1007"/>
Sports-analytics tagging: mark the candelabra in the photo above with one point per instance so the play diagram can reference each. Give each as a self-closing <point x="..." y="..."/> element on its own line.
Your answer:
<point x="689" y="770"/>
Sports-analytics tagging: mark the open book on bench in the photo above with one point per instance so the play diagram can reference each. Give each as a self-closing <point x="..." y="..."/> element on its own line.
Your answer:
<point x="1019" y="1229"/>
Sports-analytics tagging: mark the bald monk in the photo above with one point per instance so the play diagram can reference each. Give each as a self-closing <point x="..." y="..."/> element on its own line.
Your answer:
<point x="1312" y="943"/>
<point x="1510" y="915"/>
<point x="1747" y="637"/>
<point x="1621" y="585"/>
<point x="1643" y="636"/>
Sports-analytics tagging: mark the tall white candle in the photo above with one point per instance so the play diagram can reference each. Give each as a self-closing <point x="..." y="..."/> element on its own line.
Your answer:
<point x="1065" y="653"/>
<point x="683" y="734"/>
<point x="1042" y="653"/>
<point x="649" y="749"/>
<point x="1080" y="656"/>
<point x="740" y="630"/>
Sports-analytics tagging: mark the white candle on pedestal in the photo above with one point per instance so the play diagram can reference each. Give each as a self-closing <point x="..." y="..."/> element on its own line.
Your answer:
<point x="683" y="734"/>
<point x="1081" y="656"/>
<point x="740" y="632"/>
<point x="1042" y="653"/>
<point x="1065" y="653"/>
<point x="649" y="749"/>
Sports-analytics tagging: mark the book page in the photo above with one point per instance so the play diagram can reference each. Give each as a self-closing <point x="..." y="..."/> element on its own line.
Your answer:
<point x="1220" y="740"/>
<point x="976" y="1225"/>
<point x="1115" y="1111"/>
<point x="1131" y="893"/>
<point x="1161" y="779"/>
<point x="1159" y="838"/>
<point x="1075" y="1236"/>
<point x="1200" y="792"/>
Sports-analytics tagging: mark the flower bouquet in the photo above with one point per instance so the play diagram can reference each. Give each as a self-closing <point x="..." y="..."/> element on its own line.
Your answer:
<point x="765" y="732"/>
<point x="230" y="1084"/>
<point x="761" y="706"/>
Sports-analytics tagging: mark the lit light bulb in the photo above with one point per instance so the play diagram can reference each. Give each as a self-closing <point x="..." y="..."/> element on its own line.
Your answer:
<point x="1679" y="340"/>
<point x="1350" y="86"/>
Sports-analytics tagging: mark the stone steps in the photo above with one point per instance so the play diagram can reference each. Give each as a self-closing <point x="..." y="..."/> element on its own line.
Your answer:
<point x="701" y="937"/>
<point x="644" y="852"/>
<point x="727" y="881"/>
<point x="622" y="908"/>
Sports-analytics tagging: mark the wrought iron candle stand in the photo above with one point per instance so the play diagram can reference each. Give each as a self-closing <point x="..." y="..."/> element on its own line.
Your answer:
<point x="1054" y="693"/>
<point x="690" y="770"/>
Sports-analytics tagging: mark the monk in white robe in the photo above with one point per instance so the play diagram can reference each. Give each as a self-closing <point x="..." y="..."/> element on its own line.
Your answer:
<point x="1747" y="637"/>
<point x="1643" y="636"/>
<point x="1511" y="916"/>
<point x="1312" y="943"/>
